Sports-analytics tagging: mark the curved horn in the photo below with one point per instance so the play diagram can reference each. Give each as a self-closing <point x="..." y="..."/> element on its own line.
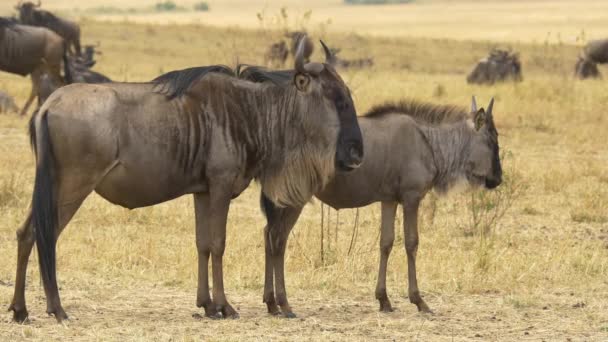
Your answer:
<point x="473" y="105"/>
<point x="299" y="57"/>
<point x="489" y="111"/>
<point x="328" y="53"/>
<point x="38" y="4"/>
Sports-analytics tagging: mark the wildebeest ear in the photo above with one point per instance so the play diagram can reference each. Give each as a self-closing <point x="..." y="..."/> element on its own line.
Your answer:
<point x="480" y="119"/>
<point x="302" y="81"/>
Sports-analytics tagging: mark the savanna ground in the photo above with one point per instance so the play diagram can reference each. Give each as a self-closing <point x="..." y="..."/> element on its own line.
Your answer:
<point x="526" y="262"/>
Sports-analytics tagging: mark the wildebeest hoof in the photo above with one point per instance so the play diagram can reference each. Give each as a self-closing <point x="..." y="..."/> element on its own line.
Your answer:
<point x="216" y="315"/>
<point x="386" y="309"/>
<point x="212" y="313"/>
<point x="19" y="315"/>
<point x="273" y="309"/>
<point x="60" y="315"/>
<point x="385" y="306"/>
<point x="229" y="312"/>
<point x="422" y="307"/>
<point x="289" y="315"/>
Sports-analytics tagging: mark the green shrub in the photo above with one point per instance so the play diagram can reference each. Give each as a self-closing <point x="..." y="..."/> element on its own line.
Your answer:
<point x="201" y="6"/>
<point x="166" y="6"/>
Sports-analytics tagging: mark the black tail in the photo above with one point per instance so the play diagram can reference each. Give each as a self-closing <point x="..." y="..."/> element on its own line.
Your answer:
<point x="32" y="129"/>
<point x="67" y="73"/>
<point x="44" y="206"/>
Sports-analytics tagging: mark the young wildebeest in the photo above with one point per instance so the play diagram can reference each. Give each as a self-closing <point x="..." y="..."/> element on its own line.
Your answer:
<point x="500" y="65"/>
<point x="30" y="14"/>
<point x="196" y="131"/>
<point x="26" y="50"/>
<point x="410" y="148"/>
<point x="7" y="104"/>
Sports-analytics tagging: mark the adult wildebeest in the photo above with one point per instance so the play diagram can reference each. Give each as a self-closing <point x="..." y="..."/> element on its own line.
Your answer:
<point x="277" y="54"/>
<point x="7" y="104"/>
<point x="198" y="131"/>
<point x="500" y="65"/>
<point x="348" y="63"/>
<point x="81" y="73"/>
<point x="26" y="50"/>
<point x="586" y="68"/>
<point x="597" y="51"/>
<point x="296" y="38"/>
<point x="88" y="57"/>
<point x="74" y="72"/>
<point x="30" y="14"/>
<point x="436" y="147"/>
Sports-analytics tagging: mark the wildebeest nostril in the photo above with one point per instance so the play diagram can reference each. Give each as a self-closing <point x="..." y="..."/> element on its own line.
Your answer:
<point x="355" y="154"/>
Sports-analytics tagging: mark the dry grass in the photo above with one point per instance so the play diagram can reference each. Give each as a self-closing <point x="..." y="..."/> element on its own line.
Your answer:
<point x="505" y="20"/>
<point x="540" y="273"/>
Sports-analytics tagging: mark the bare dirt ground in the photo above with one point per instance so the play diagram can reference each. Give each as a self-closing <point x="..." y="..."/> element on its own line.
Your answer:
<point x="149" y="312"/>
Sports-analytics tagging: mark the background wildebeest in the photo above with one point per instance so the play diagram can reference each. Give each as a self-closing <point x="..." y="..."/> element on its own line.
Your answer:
<point x="277" y="54"/>
<point x="347" y="63"/>
<point x="500" y="65"/>
<point x="438" y="146"/>
<point x="28" y="50"/>
<point x="7" y="103"/>
<point x="30" y="14"/>
<point x="75" y="71"/>
<point x="88" y="57"/>
<point x="296" y="37"/>
<point x="196" y="131"/>
<point x="597" y="51"/>
<point x="586" y="68"/>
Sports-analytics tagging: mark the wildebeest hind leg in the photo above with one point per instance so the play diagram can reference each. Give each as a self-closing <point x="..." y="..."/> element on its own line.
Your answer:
<point x="203" y="246"/>
<point x="410" y="227"/>
<point x="73" y="187"/>
<point x="25" y="239"/>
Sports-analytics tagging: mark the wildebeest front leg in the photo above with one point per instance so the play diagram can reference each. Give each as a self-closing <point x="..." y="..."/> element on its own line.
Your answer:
<point x="268" y="297"/>
<point x="35" y="81"/>
<point x="410" y="232"/>
<point x="203" y="246"/>
<point x="387" y="237"/>
<point x="281" y="224"/>
<point x="219" y="202"/>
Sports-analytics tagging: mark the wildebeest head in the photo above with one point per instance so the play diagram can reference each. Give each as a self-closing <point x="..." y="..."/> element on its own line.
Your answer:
<point x="27" y="11"/>
<point x="483" y="164"/>
<point x="320" y="80"/>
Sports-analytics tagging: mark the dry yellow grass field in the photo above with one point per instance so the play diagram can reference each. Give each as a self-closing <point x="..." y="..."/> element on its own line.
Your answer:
<point x="539" y="272"/>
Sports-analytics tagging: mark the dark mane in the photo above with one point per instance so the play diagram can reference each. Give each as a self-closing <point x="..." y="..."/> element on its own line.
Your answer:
<point x="175" y="83"/>
<point x="258" y="74"/>
<point x="423" y="112"/>
<point x="8" y="22"/>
